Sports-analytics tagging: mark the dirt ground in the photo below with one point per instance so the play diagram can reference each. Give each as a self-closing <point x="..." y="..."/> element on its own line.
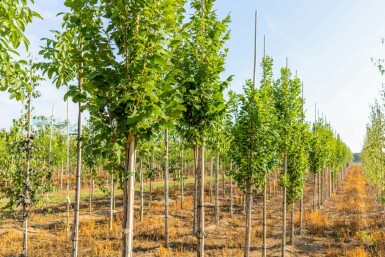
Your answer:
<point x="349" y="223"/>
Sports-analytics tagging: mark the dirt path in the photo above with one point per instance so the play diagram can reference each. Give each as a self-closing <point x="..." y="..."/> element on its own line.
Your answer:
<point x="348" y="224"/>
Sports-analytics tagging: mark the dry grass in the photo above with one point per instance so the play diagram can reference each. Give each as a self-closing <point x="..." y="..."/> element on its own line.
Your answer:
<point x="316" y="222"/>
<point x="357" y="252"/>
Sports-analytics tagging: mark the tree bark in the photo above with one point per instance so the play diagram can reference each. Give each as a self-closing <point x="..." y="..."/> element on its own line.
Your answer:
<point x="91" y="190"/>
<point x="231" y="193"/>
<point x="27" y="196"/>
<point x="284" y="208"/>
<point x="223" y="183"/>
<point x="264" y="223"/>
<point x="292" y="224"/>
<point x="141" y="188"/>
<point x="301" y="213"/>
<point x="111" y="199"/>
<point x="75" y="229"/>
<point x="166" y="234"/>
<point x="217" y="190"/>
<point x="211" y="179"/>
<point x="196" y="157"/>
<point x="201" y="204"/>
<point x="128" y="197"/>
<point x="249" y="199"/>
<point x="182" y="185"/>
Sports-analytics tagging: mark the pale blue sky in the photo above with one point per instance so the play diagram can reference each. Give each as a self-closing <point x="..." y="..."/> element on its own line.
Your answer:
<point x="328" y="42"/>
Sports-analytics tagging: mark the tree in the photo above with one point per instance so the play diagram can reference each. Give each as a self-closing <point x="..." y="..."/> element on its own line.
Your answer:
<point x="288" y="106"/>
<point x="200" y="60"/>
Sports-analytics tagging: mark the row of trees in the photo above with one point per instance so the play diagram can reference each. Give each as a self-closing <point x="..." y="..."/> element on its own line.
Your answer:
<point x="145" y="74"/>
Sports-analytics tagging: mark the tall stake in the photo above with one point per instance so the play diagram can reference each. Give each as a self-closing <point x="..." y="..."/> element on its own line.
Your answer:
<point x="75" y="228"/>
<point x="68" y="172"/>
<point x="27" y="185"/>
<point x="264" y="223"/>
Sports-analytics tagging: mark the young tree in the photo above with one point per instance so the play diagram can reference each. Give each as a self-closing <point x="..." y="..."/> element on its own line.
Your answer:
<point x="200" y="58"/>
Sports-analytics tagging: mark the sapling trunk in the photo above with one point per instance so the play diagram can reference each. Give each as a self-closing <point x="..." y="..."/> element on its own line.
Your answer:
<point x="319" y="190"/>
<point x="284" y="207"/>
<point x="223" y="183"/>
<point x="27" y="196"/>
<point x="217" y="190"/>
<point x="315" y="191"/>
<point x="141" y="188"/>
<point x="201" y="203"/>
<point x="249" y="199"/>
<point x="182" y="181"/>
<point x="196" y="157"/>
<point x="231" y="193"/>
<point x="128" y="198"/>
<point x="75" y="229"/>
<point x="292" y="224"/>
<point x="211" y="179"/>
<point x="61" y="174"/>
<point x="264" y="223"/>
<point x="166" y="187"/>
<point x="301" y="213"/>
<point x="111" y="199"/>
<point x="68" y="173"/>
<point x="91" y="191"/>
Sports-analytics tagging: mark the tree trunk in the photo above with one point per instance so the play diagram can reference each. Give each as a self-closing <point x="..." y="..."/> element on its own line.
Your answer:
<point x="249" y="199"/>
<point x="211" y="179"/>
<point x="319" y="190"/>
<point x="201" y="204"/>
<point x="231" y="193"/>
<point x="68" y="173"/>
<point x="223" y="183"/>
<point x="196" y="157"/>
<point x="128" y="198"/>
<point x="284" y="208"/>
<point x="292" y="224"/>
<point x="112" y="199"/>
<point x="27" y="196"/>
<point x="61" y="174"/>
<point x="264" y="223"/>
<point x="182" y="184"/>
<point x="315" y="191"/>
<point x="217" y="190"/>
<point x="166" y="188"/>
<point x="75" y="229"/>
<point x="301" y="213"/>
<point x="91" y="190"/>
<point x="141" y="188"/>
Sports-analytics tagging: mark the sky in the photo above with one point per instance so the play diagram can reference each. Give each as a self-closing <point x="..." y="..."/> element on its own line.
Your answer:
<point x="329" y="43"/>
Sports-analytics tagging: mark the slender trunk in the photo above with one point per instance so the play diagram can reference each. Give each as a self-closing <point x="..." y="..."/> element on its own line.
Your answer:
<point x="284" y="208"/>
<point x="61" y="174"/>
<point x="112" y="199"/>
<point x="223" y="183"/>
<point x="90" y="193"/>
<point x="330" y="182"/>
<point x="141" y="188"/>
<point x="201" y="204"/>
<point x="217" y="190"/>
<point x="166" y="188"/>
<point x="75" y="228"/>
<point x="264" y="223"/>
<point x="249" y="199"/>
<point x="319" y="190"/>
<point x="182" y="185"/>
<point x="231" y="193"/>
<point x="211" y="179"/>
<point x="196" y="157"/>
<point x="292" y="224"/>
<point x="128" y="197"/>
<point x="27" y="196"/>
<point x="301" y="213"/>
<point x="315" y="192"/>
